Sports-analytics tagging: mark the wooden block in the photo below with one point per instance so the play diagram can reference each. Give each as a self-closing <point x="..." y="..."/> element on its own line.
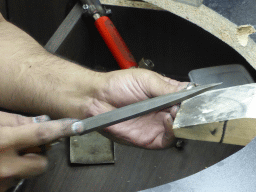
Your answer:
<point x="236" y="131"/>
<point x="240" y="131"/>
<point x="205" y="132"/>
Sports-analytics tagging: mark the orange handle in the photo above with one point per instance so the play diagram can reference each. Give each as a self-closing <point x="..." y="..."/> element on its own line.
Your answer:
<point x="115" y="43"/>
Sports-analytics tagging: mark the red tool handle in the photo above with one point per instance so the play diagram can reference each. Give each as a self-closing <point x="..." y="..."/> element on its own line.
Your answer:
<point x="115" y="43"/>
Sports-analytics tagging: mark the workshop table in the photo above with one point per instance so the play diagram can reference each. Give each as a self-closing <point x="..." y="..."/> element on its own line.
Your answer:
<point x="135" y="168"/>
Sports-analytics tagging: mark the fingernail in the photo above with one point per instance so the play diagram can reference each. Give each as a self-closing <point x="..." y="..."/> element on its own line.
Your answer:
<point x="77" y="127"/>
<point x="67" y="124"/>
<point x="40" y="119"/>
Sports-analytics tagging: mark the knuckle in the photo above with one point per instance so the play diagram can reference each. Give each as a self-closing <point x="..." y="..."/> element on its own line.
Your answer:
<point x="168" y="87"/>
<point x="21" y="120"/>
<point x="5" y="139"/>
<point x="43" y="134"/>
<point x="85" y="108"/>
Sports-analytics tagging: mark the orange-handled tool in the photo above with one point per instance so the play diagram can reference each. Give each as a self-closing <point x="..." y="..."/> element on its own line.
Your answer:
<point x="115" y="43"/>
<point x="109" y="33"/>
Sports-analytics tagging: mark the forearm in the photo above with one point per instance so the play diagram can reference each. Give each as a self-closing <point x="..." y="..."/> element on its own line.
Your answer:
<point x="36" y="81"/>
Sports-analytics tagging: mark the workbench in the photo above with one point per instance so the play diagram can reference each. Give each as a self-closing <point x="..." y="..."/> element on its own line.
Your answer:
<point x="176" y="46"/>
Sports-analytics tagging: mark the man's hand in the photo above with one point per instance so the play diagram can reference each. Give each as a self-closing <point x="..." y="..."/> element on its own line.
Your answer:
<point x="124" y="87"/>
<point x="18" y="133"/>
<point x="37" y="82"/>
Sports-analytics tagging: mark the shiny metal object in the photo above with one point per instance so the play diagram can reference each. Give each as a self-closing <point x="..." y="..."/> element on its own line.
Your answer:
<point x="190" y="85"/>
<point x="108" y="11"/>
<point x="85" y="7"/>
<point x="19" y="185"/>
<point x="146" y="64"/>
<point x="96" y="16"/>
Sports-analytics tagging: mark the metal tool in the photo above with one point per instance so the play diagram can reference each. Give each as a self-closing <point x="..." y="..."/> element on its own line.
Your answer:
<point x="104" y="120"/>
<point x="112" y="37"/>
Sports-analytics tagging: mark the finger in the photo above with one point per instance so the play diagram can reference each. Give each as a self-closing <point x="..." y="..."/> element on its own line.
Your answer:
<point x="164" y="85"/>
<point x="25" y="166"/>
<point x="36" y="134"/>
<point x="160" y="86"/>
<point x="166" y="138"/>
<point x="180" y="85"/>
<point x="169" y="80"/>
<point x="12" y="120"/>
<point x="174" y="110"/>
<point x="100" y="107"/>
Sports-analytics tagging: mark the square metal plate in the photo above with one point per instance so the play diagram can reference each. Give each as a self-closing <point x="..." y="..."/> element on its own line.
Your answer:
<point x="92" y="148"/>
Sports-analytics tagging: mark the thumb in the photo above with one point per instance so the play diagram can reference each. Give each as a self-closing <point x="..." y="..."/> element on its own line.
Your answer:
<point x="163" y="85"/>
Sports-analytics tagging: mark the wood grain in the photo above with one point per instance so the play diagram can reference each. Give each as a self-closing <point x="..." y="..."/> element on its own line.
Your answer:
<point x="236" y="131"/>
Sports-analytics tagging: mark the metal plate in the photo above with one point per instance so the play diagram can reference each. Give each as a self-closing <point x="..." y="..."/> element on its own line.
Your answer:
<point x="92" y="148"/>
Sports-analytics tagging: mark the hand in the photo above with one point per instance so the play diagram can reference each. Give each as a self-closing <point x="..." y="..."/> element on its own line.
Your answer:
<point x="124" y="87"/>
<point x="19" y="132"/>
<point x="37" y="82"/>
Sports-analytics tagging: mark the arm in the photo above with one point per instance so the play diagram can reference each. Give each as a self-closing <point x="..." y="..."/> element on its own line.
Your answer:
<point x="36" y="81"/>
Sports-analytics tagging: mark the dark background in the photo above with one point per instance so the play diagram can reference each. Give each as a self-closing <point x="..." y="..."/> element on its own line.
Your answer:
<point x="175" y="45"/>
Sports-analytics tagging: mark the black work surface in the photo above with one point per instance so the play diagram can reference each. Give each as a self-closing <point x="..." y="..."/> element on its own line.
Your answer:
<point x="135" y="169"/>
